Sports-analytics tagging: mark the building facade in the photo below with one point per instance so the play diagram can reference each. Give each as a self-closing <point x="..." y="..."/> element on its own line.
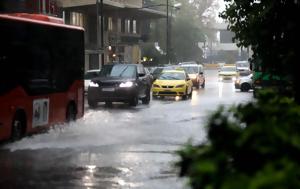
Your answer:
<point x="47" y="7"/>
<point x="223" y="48"/>
<point x="125" y="26"/>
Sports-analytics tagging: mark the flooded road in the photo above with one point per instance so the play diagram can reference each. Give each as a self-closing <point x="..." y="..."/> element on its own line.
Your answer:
<point x="118" y="146"/>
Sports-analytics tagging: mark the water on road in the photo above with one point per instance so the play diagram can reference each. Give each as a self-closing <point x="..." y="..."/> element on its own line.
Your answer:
<point x="118" y="146"/>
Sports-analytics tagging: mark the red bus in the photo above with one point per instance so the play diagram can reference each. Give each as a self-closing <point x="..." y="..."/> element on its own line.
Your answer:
<point x="41" y="74"/>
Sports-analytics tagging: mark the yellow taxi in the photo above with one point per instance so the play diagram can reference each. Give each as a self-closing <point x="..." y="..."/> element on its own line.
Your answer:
<point x="228" y="73"/>
<point x="173" y="83"/>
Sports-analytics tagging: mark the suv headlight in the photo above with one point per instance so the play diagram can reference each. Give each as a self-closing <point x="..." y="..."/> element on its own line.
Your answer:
<point x="93" y="84"/>
<point x="126" y="84"/>
<point x="156" y="86"/>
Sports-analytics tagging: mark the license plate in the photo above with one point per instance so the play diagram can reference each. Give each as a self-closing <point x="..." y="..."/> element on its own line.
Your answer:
<point x="108" y="89"/>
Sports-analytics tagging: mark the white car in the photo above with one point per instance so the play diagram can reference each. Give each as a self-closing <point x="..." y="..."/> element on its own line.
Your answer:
<point x="244" y="82"/>
<point x="90" y="74"/>
<point x="228" y="73"/>
<point x="242" y="65"/>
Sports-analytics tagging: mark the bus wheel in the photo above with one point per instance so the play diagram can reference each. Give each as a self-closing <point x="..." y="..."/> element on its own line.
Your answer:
<point x="18" y="127"/>
<point x="71" y="112"/>
<point x="92" y="103"/>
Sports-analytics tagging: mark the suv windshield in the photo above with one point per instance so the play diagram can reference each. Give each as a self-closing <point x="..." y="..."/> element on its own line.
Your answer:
<point x="121" y="70"/>
<point x="91" y="75"/>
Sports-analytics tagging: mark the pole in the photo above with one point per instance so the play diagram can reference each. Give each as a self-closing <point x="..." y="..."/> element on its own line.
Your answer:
<point x="102" y="32"/>
<point x="167" y="42"/>
<point x="97" y="30"/>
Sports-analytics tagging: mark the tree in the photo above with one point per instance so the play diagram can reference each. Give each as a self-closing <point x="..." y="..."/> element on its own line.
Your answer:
<point x="249" y="146"/>
<point x="269" y="27"/>
<point x="186" y="28"/>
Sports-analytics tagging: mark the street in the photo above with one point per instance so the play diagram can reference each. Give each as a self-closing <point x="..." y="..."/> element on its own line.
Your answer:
<point x="118" y="146"/>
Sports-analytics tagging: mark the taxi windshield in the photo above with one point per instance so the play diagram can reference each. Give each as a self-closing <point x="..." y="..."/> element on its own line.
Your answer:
<point x="191" y="69"/>
<point x="172" y="76"/>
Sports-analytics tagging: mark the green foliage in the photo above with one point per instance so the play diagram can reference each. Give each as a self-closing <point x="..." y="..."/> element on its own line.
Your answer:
<point x="186" y="29"/>
<point x="269" y="27"/>
<point x="250" y="146"/>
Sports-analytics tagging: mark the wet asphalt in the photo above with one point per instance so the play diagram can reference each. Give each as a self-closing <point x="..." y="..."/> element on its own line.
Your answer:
<point x="119" y="146"/>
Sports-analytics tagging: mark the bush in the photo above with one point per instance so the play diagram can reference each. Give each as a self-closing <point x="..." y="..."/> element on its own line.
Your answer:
<point x="250" y="146"/>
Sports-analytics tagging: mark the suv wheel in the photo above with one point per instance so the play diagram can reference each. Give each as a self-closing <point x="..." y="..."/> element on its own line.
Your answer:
<point x="134" y="101"/>
<point x="191" y="94"/>
<point x="146" y="99"/>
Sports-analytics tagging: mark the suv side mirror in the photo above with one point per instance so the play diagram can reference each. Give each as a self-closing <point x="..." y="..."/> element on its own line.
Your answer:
<point x="142" y="74"/>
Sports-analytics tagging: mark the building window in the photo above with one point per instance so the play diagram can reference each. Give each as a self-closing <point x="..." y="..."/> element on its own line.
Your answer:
<point x="119" y="25"/>
<point x="127" y="26"/>
<point x="110" y="24"/>
<point x="76" y="19"/>
<point x="134" y="27"/>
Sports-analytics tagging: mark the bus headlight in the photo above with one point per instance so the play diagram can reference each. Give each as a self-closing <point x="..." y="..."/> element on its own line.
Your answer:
<point x="93" y="84"/>
<point x="126" y="84"/>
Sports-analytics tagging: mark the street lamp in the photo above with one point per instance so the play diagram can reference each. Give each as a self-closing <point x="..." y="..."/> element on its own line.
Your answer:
<point x="168" y="42"/>
<point x="99" y="8"/>
<point x="168" y="27"/>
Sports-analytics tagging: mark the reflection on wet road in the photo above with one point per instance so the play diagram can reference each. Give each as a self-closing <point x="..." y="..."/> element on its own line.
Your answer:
<point x="116" y="147"/>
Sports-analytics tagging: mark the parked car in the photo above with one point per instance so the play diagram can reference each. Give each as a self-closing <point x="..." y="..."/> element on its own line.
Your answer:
<point x="195" y="72"/>
<point x="228" y="73"/>
<point x="173" y="83"/>
<point x="90" y="74"/>
<point x="120" y="83"/>
<point x="244" y="82"/>
<point x="242" y="65"/>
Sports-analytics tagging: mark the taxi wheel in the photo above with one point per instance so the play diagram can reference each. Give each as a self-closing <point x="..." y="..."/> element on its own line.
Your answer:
<point x="191" y="94"/>
<point x="185" y="96"/>
<point x="203" y="85"/>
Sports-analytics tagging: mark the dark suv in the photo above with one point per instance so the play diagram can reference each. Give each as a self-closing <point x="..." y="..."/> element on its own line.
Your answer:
<point x="120" y="83"/>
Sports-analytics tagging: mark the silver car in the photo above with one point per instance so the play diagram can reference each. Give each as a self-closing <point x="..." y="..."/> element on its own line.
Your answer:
<point x="244" y="83"/>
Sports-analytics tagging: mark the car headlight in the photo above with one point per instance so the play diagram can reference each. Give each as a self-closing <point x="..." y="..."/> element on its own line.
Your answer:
<point x="126" y="84"/>
<point x="93" y="84"/>
<point x="156" y="86"/>
<point x="179" y="86"/>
